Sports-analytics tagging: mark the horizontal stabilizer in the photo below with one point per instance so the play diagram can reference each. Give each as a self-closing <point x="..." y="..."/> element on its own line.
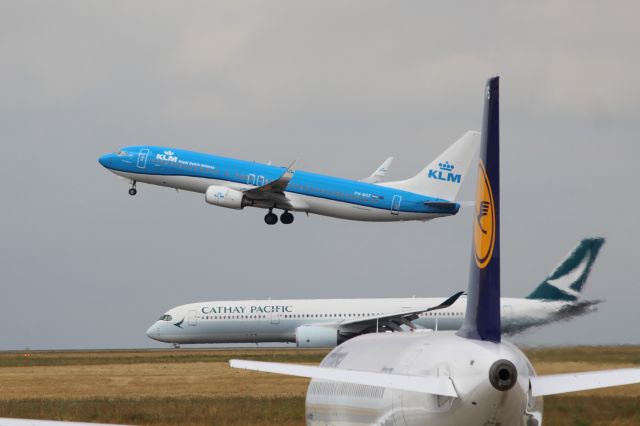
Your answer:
<point x="440" y="205"/>
<point x="564" y="383"/>
<point x="441" y="385"/>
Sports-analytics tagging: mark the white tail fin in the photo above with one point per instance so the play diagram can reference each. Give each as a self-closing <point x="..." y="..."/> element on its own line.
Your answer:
<point x="444" y="176"/>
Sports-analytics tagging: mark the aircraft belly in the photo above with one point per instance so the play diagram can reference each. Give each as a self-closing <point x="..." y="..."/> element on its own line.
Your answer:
<point x="343" y="210"/>
<point x="185" y="183"/>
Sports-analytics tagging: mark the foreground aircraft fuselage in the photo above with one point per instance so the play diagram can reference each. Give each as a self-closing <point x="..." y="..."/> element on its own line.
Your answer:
<point x="237" y="184"/>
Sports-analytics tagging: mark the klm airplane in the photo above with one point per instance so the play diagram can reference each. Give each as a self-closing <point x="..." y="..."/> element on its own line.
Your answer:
<point x="316" y="323"/>
<point x="237" y="184"/>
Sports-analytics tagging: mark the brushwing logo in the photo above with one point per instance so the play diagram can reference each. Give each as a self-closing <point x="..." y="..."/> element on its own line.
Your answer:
<point x="167" y="156"/>
<point x="179" y="323"/>
<point x="484" y="229"/>
<point x="445" y="173"/>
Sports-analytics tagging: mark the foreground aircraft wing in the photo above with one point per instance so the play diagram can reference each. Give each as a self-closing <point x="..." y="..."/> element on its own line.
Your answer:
<point x="380" y="172"/>
<point x="563" y="383"/>
<point x="434" y="385"/>
<point x="395" y="320"/>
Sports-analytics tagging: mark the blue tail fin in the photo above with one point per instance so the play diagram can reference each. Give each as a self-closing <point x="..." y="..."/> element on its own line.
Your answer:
<point x="567" y="280"/>
<point x="482" y="318"/>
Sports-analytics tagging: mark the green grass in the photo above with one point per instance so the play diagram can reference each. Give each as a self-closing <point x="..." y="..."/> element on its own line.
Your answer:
<point x="590" y="354"/>
<point x="252" y="405"/>
<point x="568" y="410"/>
<point x="165" y="411"/>
<point x="559" y="411"/>
<point x="62" y="358"/>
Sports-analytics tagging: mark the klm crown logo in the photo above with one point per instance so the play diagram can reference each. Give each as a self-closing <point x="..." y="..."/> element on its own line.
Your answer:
<point x="445" y="173"/>
<point x="167" y="156"/>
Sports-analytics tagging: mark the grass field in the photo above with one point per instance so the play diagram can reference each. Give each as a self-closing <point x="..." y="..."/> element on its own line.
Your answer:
<point x="196" y="387"/>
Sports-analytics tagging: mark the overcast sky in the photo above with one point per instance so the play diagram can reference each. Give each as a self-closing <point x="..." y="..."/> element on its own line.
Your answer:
<point x="339" y="86"/>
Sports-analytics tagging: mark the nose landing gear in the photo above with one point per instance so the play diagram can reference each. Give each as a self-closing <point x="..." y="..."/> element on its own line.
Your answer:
<point x="132" y="190"/>
<point x="271" y="218"/>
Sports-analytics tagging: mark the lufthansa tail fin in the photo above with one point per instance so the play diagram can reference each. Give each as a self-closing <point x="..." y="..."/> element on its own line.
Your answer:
<point x="568" y="278"/>
<point x="444" y="176"/>
<point x="482" y="318"/>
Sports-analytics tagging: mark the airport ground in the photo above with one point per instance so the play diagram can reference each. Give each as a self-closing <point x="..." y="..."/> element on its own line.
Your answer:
<point x="196" y="387"/>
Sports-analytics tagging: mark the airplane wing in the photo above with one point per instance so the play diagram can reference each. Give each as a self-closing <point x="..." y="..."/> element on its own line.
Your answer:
<point x="272" y="193"/>
<point x="380" y="172"/>
<point x="392" y="321"/>
<point x="277" y="186"/>
<point x="441" y="385"/>
<point x="563" y="383"/>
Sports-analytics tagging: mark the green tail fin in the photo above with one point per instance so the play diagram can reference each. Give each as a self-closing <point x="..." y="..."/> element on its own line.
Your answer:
<point x="567" y="280"/>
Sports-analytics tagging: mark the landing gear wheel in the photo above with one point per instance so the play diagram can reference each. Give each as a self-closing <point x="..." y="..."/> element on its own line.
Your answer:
<point x="271" y="218"/>
<point x="132" y="191"/>
<point x="286" y="218"/>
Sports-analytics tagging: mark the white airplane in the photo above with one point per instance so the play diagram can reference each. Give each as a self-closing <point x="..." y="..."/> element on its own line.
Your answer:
<point x="236" y="184"/>
<point x="469" y="377"/>
<point x="329" y="322"/>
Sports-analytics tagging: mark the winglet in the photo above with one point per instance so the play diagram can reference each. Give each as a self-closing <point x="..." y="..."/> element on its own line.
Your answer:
<point x="450" y="301"/>
<point x="482" y="318"/>
<point x="380" y="172"/>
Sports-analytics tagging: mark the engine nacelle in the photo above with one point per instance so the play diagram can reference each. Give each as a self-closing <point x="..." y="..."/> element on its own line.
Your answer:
<point x="224" y="197"/>
<point x="315" y="336"/>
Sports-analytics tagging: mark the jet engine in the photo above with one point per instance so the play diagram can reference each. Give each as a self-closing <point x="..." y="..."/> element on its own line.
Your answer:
<point x="315" y="336"/>
<point x="225" y="197"/>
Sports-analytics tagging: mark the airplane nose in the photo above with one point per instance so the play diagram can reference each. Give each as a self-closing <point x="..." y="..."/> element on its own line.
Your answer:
<point x="153" y="332"/>
<point x="105" y="160"/>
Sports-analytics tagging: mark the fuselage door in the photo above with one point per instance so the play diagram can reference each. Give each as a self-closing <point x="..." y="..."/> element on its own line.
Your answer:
<point x="142" y="158"/>
<point x="251" y="180"/>
<point x="260" y="181"/>
<point x="395" y="204"/>
<point x="193" y="317"/>
<point x="275" y="318"/>
<point x="507" y="311"/>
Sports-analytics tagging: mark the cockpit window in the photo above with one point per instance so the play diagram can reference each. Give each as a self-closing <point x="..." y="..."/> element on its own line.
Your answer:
<point x="121" y="153"/>
<point x="166" y="318"/>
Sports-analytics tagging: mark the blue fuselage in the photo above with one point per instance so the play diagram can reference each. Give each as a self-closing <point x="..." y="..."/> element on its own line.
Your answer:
<point x="196" y="172"/>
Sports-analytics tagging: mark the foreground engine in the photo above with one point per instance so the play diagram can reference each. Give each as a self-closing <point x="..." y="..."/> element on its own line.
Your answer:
<point x="225" y="197"/>
<point x="315" y="336"/>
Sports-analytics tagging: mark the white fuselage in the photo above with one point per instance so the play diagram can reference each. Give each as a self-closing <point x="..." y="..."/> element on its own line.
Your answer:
<point x="466" y="362"/>
<point x="254" y="321"/>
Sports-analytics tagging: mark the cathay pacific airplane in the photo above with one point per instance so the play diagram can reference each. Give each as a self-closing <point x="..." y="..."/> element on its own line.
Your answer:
<point x="237" y="184"/>
<point x="328" y="322"/>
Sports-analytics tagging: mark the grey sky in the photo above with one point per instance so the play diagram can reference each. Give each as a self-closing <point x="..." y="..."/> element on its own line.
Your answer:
<point x="339" y="86"/>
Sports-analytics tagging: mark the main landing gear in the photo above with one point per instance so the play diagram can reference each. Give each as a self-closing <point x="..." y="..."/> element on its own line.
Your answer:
<point x="286" y="218"/>
<point x="271" y="218"/>
<point x="132" y="190"/>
